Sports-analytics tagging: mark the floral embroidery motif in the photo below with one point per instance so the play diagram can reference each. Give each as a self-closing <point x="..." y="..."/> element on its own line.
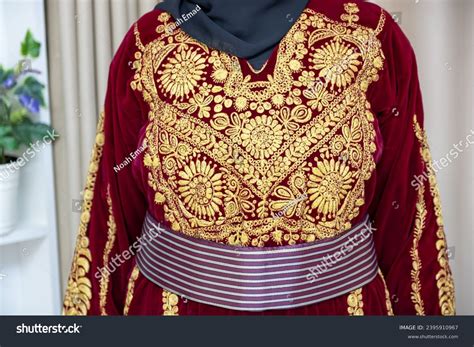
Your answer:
<point x="182" y="73"/>
<point x="351" y="16"/>
<point x="226" y="151"/>
<point x="200" y="188"/>
<point x="337" y="63"/>
<point x="355" y="303"/>
<point x="416" y="261"/>
<point x="170" y="304"/>
<point x="444" y="279"/>
<point x="262" y="136"/>
<point x="328" y="185"/>
<point x="79" y="288"/>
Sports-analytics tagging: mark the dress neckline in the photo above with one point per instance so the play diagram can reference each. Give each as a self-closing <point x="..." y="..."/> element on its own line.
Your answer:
<point x="272" y="60"/>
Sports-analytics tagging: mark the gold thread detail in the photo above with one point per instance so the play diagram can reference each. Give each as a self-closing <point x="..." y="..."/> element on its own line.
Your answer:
<point x="416" y="261"/>
<point x="355" y="303"/>
<point x="444" y="279"/>
<point x="105" y="276"/>
<point x="78" y="296"/>
<point x="388" y="302"/>
<point x="350" y="16"/>
<point x="130" y="289"/>
<point x="381" y="23"/>
<point x="170" y="304"/>
<point x="227" y="153"/>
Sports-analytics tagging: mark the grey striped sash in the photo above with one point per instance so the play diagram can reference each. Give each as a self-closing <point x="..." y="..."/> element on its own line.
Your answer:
<point x="257" y="279"/>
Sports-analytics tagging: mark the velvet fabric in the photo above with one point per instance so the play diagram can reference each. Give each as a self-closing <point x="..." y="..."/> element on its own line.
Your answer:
<point x="399" y="192"/>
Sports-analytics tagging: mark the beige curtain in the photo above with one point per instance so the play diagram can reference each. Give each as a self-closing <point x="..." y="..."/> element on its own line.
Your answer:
<point x="82" y="37"/>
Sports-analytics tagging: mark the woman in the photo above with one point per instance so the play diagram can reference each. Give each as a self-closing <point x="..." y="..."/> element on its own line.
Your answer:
<point x="262" y="158"/>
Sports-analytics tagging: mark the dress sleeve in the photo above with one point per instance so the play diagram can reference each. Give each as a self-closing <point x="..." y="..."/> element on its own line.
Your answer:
<point x="409" y="235"/>
<point x="114" y="205"/>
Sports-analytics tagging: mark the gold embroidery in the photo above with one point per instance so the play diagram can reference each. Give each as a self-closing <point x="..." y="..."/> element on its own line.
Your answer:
<point x="355" y="303"/>
<point x="444" y="280"/>
<point x="351" y="16"/>
<point x="130" y="289"/>
<point x="416" y="261"/>
<point x="182" y="73"/>
<point x="105" y="277"/>
<point x="225" y="151"/>
<point x="388" y="302"/>
<point x="170" y="304"/>
<point x="79" y="288"/>
<point x="337" y="63"/>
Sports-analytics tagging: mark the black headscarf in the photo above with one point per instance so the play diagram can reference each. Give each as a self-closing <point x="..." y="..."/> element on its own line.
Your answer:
<point x="249" y="29"/>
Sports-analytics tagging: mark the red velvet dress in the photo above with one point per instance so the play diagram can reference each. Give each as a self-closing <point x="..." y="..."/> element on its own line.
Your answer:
<point x="213" y="149"/>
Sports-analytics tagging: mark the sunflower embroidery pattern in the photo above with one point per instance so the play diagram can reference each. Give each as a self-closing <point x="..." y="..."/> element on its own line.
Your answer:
<point x="338" y="63"/>
<point x="329" y="183"/>
<point x="224" y="148"/>
<point x="182" y="73"/>
<point x="262" y="136"/>
<point x="200" y="188"/>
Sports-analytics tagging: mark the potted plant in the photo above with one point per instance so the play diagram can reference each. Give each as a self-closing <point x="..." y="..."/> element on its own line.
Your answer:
<point x="21" y="99"/>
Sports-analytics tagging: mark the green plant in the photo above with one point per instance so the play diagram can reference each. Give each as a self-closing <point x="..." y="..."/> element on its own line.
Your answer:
<point x="21" y="99"/>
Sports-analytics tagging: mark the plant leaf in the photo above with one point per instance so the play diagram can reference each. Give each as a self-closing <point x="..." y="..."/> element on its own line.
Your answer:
<point x="30" y="47"/>
<point x="28" y="132"/>
<point x="5" y="130"/>
<point x="9" y="143"/>
<point x="4" y="110"/>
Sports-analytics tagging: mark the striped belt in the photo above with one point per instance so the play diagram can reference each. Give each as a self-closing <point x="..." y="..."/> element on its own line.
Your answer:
<point x="257" y="279"/>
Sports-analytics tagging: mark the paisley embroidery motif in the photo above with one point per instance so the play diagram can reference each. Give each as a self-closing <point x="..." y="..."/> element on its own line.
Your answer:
<point x="227" y="151"/>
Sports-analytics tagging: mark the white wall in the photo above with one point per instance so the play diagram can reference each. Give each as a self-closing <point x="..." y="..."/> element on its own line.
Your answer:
<point x="442" y="34"/>
<point x="29" y="255"/>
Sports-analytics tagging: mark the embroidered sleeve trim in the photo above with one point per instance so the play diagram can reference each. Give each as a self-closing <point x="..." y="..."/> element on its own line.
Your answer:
<point x="416" y="261"/>
<point x="79" y="288"/>
<point x="105" y="276"/>
<point x="444" y="279"/>
<point x="130" y="290"/>
<point x="388" y="302"/>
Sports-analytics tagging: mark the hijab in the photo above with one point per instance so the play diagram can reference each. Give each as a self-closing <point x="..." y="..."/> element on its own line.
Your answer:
<point x="248" y="29"/>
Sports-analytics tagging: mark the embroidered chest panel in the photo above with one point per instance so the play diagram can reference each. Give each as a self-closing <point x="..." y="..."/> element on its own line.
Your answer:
<point x="255" y="160"/>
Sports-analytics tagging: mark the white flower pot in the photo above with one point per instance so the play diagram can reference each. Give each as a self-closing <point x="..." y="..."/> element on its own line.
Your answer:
<point x="9" y="183"/>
